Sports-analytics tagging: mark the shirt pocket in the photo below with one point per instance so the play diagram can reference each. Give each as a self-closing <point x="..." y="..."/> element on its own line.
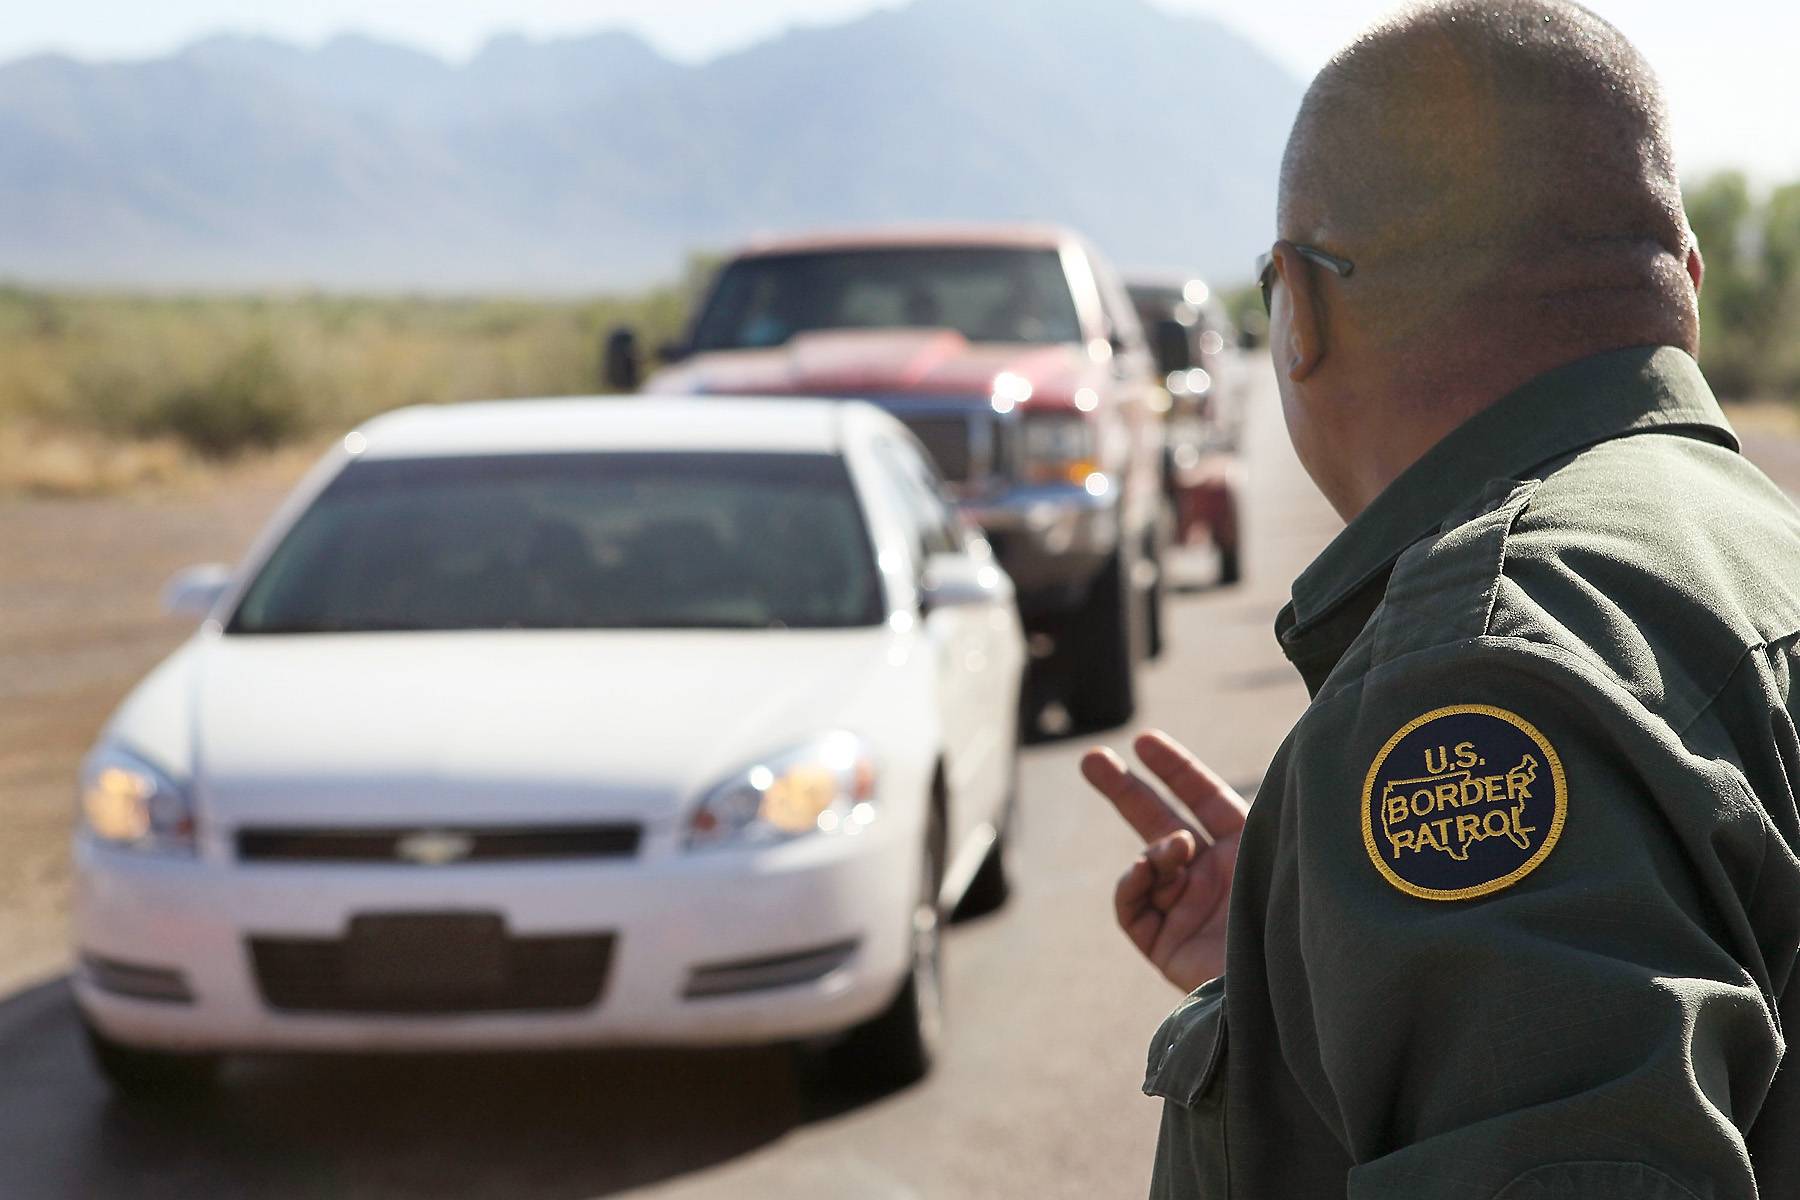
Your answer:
<point x="1186" y="1070"/>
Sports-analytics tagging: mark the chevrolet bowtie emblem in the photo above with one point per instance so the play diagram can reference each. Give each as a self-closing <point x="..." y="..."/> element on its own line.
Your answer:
<point x="434" y="847"/>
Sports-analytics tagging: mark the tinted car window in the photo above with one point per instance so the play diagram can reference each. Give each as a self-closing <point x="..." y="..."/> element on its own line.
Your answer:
<point x="988" y="294"/>
<point x="573" y="541"/>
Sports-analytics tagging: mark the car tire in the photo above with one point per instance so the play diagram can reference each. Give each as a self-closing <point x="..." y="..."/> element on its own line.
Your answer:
<point x="1103" y="652"/>
<point x="1230" y="568"/>
<point x="988" y="891"/>
<point x="1228" y="537"/>
<point x="1156" y="552"/>
<point x="137" y="1074"/>
<point x="897" y="1047"/>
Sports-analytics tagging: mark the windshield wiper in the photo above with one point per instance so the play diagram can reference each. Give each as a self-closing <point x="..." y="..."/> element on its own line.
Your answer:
<point x="655" y="623"/>
<point x="358" y="626"/>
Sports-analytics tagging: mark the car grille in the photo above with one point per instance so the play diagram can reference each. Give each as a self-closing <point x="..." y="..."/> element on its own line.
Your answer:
<point x="431" y="963"/>
<point x="437" y="845"/>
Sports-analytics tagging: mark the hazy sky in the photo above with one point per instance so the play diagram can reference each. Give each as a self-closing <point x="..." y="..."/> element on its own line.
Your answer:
<point x="1727" y="64"/>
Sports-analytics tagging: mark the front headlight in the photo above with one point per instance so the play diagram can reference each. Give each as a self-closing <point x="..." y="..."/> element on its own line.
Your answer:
<point x="824" y="786"/>
<point x="127" y="802"/>
<point x="1059" y="448"/>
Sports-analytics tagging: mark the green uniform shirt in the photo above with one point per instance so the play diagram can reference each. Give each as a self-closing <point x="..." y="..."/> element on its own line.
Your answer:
<point x="1517" y="908"/>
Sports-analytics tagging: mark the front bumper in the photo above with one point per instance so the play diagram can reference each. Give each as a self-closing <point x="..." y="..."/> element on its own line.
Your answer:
<point x="1051" y="539"/>
<point x="706" y="948"/>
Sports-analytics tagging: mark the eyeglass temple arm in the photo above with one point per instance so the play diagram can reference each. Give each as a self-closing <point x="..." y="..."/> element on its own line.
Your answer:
<point x="1341" y="267"/>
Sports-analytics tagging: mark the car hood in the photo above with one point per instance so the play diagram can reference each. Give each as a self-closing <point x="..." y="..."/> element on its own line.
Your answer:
<point x="549" y="726"/>
<point x="881" y="363"/>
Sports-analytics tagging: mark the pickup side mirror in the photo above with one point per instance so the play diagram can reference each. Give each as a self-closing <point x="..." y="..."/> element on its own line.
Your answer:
<point x="193" y="592"/>
<point x="1173" y="351"/>
<point x="672" y="352"/>
<point x="956" y="580"/>
<point x="621" y="363"/>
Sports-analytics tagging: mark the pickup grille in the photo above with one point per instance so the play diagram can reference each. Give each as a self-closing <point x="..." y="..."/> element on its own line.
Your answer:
<point x="967" y="441"/>
<point x="949" y="440"/>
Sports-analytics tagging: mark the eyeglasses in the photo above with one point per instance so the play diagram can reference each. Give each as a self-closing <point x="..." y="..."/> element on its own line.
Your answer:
<point x="1343" y="268"/>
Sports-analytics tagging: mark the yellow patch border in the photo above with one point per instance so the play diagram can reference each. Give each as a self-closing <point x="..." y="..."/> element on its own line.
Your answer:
<point x="1493" y="885"/>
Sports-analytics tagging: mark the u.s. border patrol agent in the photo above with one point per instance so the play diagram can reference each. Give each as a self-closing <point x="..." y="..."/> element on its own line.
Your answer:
<point x="1516" y="913"/>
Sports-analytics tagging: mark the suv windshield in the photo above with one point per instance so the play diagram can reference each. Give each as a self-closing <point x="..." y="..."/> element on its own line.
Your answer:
<point x="988" y="294"/>
<point x="573" y="541"/>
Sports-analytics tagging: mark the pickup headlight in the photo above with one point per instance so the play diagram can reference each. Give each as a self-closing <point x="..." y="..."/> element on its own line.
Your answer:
<point x="127" y="802"/>
<point x="824" y="786"/>
<point x="1058" y="448"/>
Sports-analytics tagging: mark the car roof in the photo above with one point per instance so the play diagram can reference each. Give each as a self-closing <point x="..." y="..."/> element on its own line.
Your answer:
<point x="627" y="423"/>
<point x="1020" y="235"/>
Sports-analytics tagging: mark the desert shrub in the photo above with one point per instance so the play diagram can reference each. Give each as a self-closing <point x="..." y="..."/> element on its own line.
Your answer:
<point x="1750" y="300"/>
<point x="248" y="401"/>
<point x="225" y="374"/>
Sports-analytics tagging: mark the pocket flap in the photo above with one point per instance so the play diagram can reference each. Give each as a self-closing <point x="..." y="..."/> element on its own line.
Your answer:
<point x="1188" y="1048"/>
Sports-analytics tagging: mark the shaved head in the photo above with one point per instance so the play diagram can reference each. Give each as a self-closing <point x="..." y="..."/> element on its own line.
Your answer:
<point x="1493" y="158"/>
<point x="1499" y="174"/>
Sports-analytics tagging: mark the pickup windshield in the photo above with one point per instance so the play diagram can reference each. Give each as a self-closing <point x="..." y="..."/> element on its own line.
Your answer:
<point x="573" y="541"/>
<point x="986" y="293"/>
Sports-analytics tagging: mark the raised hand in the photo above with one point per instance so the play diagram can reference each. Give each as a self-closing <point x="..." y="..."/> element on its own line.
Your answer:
<point x="1173" y="900"/>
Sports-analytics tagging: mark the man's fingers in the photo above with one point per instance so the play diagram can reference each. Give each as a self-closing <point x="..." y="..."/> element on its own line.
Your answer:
<point x="1137" y="801"/>
<point x="1148" y="890"/>
<point x="1220" y="809"/>
<point x="1170" y="858"/>
<point x="1138" y="917"/>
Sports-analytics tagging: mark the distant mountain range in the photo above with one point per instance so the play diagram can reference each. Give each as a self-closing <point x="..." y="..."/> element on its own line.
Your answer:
<point x="594" y="162"/>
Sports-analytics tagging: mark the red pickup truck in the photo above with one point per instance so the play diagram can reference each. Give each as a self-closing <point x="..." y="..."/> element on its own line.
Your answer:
<point x="1014" y="354"/>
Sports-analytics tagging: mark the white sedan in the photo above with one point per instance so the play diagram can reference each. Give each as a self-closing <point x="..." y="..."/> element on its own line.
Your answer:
<point x="561" y="722"/>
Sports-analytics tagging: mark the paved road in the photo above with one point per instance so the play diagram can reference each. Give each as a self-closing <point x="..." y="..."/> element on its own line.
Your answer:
<point x="1037" y="1095"/>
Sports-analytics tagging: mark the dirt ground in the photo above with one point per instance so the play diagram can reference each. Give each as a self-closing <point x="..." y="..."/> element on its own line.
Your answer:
<point x="80" y="623"/>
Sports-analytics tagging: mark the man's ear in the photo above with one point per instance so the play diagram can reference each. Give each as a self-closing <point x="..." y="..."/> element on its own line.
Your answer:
<point x="1304" y="346"/>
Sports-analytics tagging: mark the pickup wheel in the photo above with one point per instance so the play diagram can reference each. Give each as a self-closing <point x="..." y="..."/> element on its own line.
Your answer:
<point x="1103" y="651"/>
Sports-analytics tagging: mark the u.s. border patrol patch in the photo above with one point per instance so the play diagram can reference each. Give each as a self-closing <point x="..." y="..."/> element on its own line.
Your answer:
<point x="1462" y="802"/>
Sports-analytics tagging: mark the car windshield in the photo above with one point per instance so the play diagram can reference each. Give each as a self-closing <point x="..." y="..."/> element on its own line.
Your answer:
<point x="573" y="541"/>
<point x="988" y="294"/>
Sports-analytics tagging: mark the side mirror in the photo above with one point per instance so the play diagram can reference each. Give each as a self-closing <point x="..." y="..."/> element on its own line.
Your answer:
<point x="1173" y="351"/>
<point x="672" y="352"/>
<point x="956" y="580"/>
<point x="621" y="363"/>
<point x="194" y="591"/>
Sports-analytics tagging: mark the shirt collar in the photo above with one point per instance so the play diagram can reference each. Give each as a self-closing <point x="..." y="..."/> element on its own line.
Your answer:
<point x="1649" y="388"/>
